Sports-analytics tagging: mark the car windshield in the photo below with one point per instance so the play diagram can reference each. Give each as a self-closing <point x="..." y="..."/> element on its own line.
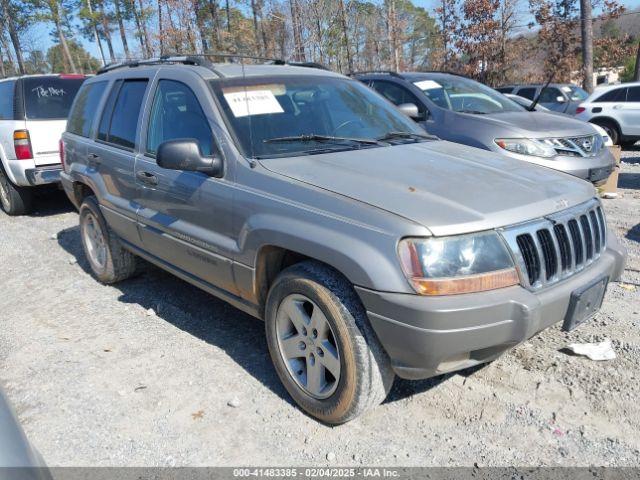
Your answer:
<point x="301" y="115"/>
<point x="50" y="98"/>
<point x="465" y="95"/>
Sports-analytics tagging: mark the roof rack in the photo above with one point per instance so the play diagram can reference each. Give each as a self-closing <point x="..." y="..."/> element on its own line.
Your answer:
<point x="166" y="59"/>
<point x="308" y="65"/>
<point x="383" y="72"/>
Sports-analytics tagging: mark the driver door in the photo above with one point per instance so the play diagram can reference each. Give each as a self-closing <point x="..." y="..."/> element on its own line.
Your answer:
<point x="185" y="217"/>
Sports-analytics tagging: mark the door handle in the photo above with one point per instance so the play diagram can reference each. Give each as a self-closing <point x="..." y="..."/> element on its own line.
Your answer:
<point x="618" y="107"/>
<point x="94" y="159"/>
<point x="148" y="178"/>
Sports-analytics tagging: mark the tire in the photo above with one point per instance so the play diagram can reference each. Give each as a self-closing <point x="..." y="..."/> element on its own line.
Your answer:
<point x="612" y="130"/>
<point x="108" y="260"/>
<point x="14" y="200"/>
<point x="364" y="377"/>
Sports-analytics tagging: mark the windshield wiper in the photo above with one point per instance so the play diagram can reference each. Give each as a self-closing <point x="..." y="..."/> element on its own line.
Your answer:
<point x="410" y="135"/>
<point x="322" y="138"/>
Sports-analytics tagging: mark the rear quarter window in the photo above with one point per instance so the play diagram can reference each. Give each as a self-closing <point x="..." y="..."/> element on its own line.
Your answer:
<point x="49" y="98"/>
<point x="528" y="92"/>
<point x="6" y="100"/>
<point x="615" y="95"/>
<point x="85" y="108"/>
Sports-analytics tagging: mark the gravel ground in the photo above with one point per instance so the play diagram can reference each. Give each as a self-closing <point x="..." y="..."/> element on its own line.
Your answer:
<point x="154" y="372"/>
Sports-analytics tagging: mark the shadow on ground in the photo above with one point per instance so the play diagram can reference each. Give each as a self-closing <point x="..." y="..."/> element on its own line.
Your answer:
<point x="634" y="233"/>
<point x="629" y="181"/>
<point x="49" y="202"/>
<point x="216" y="322"/>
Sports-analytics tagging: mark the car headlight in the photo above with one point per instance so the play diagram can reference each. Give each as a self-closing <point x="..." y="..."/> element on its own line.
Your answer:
<point x="457" y="264"/>
<point x="526" y="146"/>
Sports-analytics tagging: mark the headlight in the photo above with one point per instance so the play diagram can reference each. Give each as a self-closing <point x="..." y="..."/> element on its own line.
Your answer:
<point x="525" y="146"/>
<point x="457" y="264"/>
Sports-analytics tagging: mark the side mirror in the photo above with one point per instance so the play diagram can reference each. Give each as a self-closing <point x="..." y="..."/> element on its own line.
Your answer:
<point x="560" y="99"/>
<point x="410" y="110"/>
<point x="184" y="154"/>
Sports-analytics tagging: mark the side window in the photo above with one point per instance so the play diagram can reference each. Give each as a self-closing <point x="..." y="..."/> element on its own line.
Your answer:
<point x="615" y="95"/>
<point x="528" y="92"/>
<point x="633" y="94"/>
<point x="176" y="113"/>
<point x="550" y="95"/>
<point x="84" y="109"/>
<point x="505" y="89"/>
<point x="6" y="100"/>
<point x="397" y="94"/>
<point x="120" y="116"/>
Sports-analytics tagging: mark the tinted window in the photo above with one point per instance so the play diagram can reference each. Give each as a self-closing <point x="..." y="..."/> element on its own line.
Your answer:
<point x="505" y="89"/>
<point x="396" y="94"/>
<point x="528" y="92"/>
<point x="84" y="109"/>
<point x="633" y="94"/>
<point x="550" y="95"/>
<point x="49" y="98"/>
<point x="616" y="95"/>
<point x="6" y="100"/>
<point x="176" y="113"/>
<point x="118" y="125"/>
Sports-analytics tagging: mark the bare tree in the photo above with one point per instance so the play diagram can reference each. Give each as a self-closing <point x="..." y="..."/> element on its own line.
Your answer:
<point x="7" y="13"/>
<point x="586" y="29"/>
<point x="123" y="35"/>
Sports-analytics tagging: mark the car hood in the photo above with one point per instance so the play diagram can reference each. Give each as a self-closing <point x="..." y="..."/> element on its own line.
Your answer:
<point x="534" y="125"/>
<point x="446" y="187"/>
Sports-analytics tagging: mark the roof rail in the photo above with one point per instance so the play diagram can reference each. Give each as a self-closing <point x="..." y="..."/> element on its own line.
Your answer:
<point x="383" y="72"/>
<point x="185" y="59"/>
<point x="308" y="65"/>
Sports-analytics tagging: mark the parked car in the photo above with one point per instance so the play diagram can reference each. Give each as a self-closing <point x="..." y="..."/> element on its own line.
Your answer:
<point x="526" y="103"/>
<point x="307" y="200"/>
<point x="559" y="97"/>
<point x="18" y="459"/>
<point x="464" y="111"/>
<point x="616" y="108"/>
<point x="33" y="115"/>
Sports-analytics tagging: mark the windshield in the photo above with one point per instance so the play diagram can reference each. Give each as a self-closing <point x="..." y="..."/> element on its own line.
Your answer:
<point x="299" y="115"/>
<point x="465" y="95"/>
<point x="49" y="98"/>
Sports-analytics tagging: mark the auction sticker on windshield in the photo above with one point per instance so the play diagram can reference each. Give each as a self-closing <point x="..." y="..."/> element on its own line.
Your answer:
<point x="427" y="84"/>
<point x="252" y="102"/>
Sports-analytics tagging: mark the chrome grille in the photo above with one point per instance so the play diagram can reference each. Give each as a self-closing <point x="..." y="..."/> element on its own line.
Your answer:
<point x="584" y="146"/>
<point x="558" y="246"/>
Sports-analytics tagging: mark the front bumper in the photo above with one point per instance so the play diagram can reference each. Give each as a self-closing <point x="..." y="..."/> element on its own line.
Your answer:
<point x="593" y="169"/>
<point x="427" y="336"/>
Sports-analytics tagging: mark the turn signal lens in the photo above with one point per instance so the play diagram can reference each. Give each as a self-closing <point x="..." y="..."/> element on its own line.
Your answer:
<point x="474" y="283"/>
<point x="22" y="145"/>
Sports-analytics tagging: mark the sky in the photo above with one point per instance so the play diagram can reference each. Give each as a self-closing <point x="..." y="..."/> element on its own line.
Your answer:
<point x="39" y="36"/>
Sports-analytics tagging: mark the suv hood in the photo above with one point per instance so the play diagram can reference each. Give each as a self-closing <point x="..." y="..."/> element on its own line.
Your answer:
<point x="534" y="125"/>
<point x="446" y="187"/>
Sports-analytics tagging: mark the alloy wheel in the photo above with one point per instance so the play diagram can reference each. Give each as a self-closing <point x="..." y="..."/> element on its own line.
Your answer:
<point x="308" y="346"/>
<point x="95" y="241"/>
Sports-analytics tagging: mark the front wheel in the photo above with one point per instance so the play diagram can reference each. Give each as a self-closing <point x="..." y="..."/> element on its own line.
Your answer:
<point x="323" y="348"/>
<point x="611" y="129"/>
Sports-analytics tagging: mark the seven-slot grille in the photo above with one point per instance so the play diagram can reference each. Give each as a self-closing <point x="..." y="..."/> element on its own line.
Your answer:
<point x="552" y="249"/>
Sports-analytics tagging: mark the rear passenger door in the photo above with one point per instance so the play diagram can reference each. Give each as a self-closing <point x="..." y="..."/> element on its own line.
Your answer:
<point x="629" y="112"/>
<point x="113" y="155"/>
<point x="185" y="217"/>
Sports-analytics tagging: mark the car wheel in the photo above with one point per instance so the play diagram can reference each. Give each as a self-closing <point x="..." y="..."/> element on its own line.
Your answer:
<point x="611" y="129"/>
<point x="323" y="348"/>
<point x="109" y="261"/>
<point x="14" y="200"/>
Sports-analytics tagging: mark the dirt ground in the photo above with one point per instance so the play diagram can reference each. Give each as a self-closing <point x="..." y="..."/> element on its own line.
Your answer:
<point x="98" y="379"/>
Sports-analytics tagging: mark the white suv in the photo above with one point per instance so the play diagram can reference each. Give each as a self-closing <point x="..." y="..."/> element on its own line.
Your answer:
<point x="616" y="108"/>
<point x="33" y="115"/>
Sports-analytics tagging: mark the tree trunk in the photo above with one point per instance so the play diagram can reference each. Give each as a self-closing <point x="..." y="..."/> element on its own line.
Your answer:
<point x="123" y="35"/>
<point x="106" y="31"/>
<point x="228" y="16"/>
<point x="160" y="34"/>
<point x="636" y="72"/>
<point x="345" y="36"/>
<point x="95" y="33"/>
<point x="586" y="27"/>
<point x="5" y="46"/>
<point x="215" y="21"/>
<point x="136" y="18"/>
<point x="145" y="33"/>
<point x="3" y="72"/>
<point x="63" y="42"/>
<point x="256" y="32"/>
<point x="298" y="54"/>
<point x="13" y="33"/>
<point x="200" y="23"/>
